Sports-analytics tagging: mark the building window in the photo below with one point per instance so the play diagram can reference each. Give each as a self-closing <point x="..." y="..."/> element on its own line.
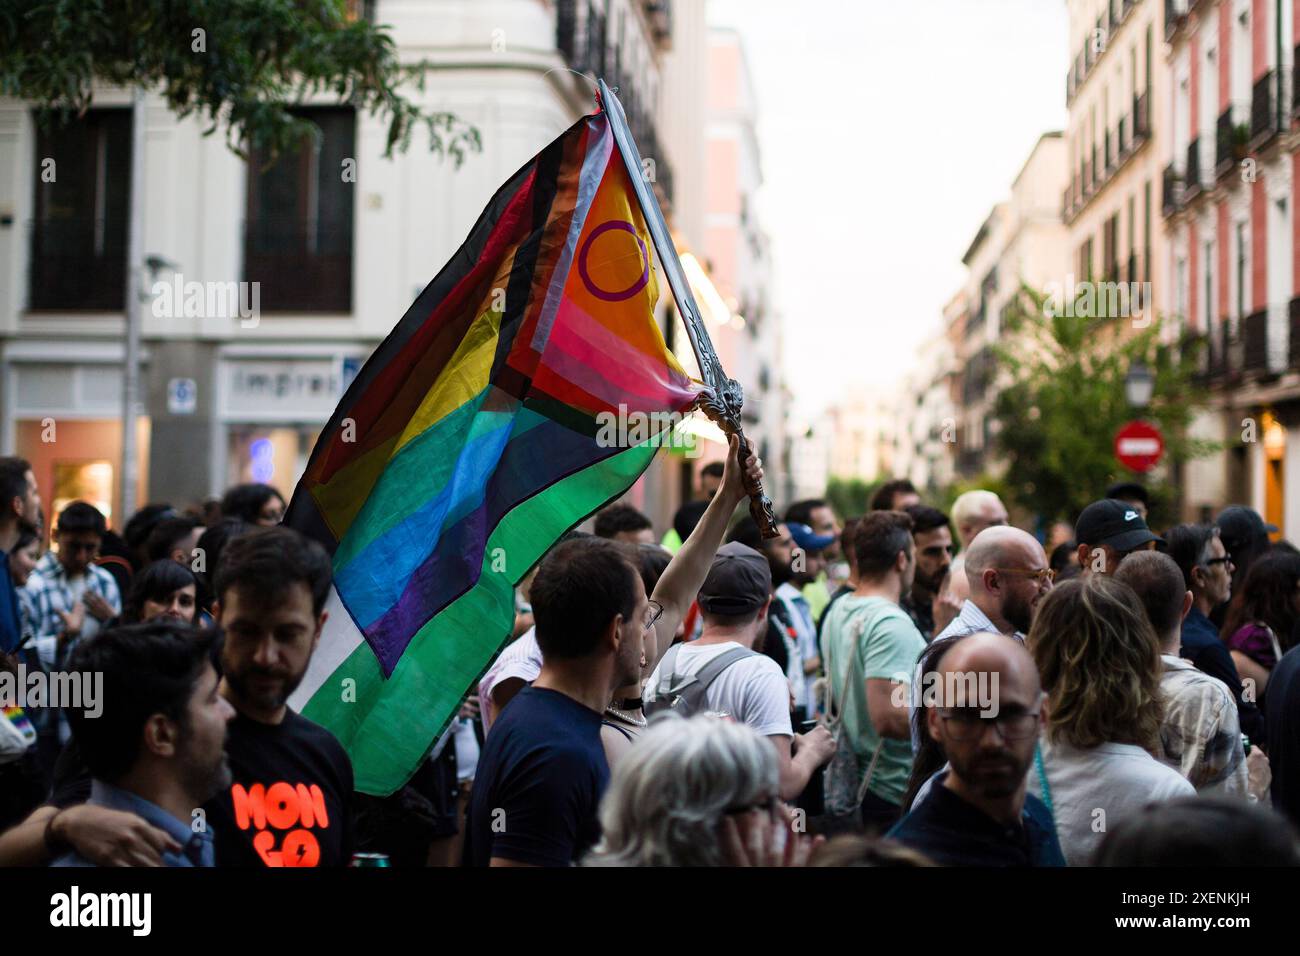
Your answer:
<point x="1242" y="272"/>
<point x="1209" y="286"/>
<point x="1180" y="283"/>
<point x="298" y="237"/>
<point x="83" y="203"/>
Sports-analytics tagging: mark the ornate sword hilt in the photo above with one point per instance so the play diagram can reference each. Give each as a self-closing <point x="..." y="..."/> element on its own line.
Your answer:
<point x="722" y="406"/>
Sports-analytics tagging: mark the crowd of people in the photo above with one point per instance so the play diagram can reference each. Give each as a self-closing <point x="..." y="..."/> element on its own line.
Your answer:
<point x="904" y="687"/>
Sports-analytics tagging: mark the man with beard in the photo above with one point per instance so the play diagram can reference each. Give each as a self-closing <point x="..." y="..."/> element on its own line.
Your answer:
<point x="289" y="802"/>
<point x="870" y="648"/>
<point x="157" y="748"/>
<point x="1006" y="570"/>
<point x="932" y="539"/>
<point x="978" y="812"/>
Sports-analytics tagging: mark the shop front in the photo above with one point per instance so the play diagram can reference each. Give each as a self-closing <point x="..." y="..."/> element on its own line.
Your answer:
<point x="272" y="409"/>
<point x="65" y="417"/>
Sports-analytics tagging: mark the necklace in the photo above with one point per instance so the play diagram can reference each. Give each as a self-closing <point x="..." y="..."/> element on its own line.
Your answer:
<point x="632" y="719"/>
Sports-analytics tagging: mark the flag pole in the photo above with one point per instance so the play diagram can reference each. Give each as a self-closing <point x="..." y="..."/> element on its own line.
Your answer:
<point x="723" y="398"/>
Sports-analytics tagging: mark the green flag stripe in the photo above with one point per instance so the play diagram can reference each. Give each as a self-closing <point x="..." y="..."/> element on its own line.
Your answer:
<point x="388" y="727"/>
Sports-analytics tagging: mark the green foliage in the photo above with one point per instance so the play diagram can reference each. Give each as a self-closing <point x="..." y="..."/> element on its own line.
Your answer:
<point x="1066" y="401"/>
<point x="259" y="59"/>
<point x="850" y="496"/>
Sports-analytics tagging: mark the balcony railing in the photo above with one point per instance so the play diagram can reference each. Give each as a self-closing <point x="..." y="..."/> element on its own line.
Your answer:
<point x="1141" y="119"/>
<point x="1265" y="119"/>
<point x="1293" y="347"/>
<point x="1230" y="139"/>
<point x="1295" y="83"/>
<point x="1192" y="184"/>
<point x="1172" y="189"/>
<point x="1254" y="354"/>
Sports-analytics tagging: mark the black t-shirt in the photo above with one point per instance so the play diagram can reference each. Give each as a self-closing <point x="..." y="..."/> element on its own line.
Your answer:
<point x="290" y="798"/>
<point x="1284" y="734"/>
<point x="538" y="783"/>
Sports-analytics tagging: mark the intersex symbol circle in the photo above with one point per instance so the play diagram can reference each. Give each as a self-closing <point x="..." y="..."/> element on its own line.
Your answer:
<point x="596" y="290"/>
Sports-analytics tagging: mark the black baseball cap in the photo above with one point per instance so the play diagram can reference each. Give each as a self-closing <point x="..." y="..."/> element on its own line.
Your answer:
<point x="1241" y="527"/>
<point x="1116" y="524"/>
<point x="1129" y="491"/>
<point x="739" y="581"/>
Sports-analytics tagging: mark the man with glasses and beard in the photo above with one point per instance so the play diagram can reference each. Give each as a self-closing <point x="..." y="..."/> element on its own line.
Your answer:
<point x="1007" y="573"/>
<point x="1207" y="568"/>
<point x="978" y="812"/>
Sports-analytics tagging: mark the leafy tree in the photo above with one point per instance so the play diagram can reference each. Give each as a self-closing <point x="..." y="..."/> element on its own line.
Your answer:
<point x="243" y="64"/>
<point x="1066" y="400"/>
<point x="850" y="497"/>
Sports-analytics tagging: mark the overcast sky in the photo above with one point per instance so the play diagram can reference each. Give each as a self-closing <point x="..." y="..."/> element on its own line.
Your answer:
<point x="888" y="131"/>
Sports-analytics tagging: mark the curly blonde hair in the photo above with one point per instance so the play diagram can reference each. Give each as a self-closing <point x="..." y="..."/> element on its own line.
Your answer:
<point x="1099" y="660"/>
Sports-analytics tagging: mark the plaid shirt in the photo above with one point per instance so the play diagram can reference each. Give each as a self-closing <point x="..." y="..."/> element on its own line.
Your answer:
<point x="1201" y="735"/>
<point x="49" y="591"/>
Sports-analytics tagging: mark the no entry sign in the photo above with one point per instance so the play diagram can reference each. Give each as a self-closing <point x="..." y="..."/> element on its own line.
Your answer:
<point x="1139" y="445"/>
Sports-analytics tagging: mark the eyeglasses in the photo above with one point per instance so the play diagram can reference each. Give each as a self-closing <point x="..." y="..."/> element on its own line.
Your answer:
<point x="964" y="725"/>
<point x="1226" y="559"/>
<point x="653" y="613"/>
<point x="1038" y="574"/>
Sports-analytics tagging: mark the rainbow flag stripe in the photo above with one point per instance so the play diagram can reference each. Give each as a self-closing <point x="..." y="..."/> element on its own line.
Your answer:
<point x="470" y="441"/>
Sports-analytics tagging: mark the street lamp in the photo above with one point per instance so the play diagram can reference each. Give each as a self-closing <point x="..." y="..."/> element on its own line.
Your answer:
<point x="1139" y="384"/>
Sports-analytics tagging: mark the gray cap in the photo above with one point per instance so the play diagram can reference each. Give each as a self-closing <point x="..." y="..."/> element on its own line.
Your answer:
<point x="738" y="582"/>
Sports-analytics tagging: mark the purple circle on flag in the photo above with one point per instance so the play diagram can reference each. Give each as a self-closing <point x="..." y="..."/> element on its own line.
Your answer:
<point x="596" y="290"/>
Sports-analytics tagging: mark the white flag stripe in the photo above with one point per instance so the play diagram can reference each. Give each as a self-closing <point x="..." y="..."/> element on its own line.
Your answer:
<point x="339" y="638"/>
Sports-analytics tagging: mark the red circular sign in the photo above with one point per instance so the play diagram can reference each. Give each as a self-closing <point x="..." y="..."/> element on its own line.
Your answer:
<point x="1139" y="445"/>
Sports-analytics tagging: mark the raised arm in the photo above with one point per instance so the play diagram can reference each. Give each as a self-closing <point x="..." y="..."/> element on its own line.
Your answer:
<point x="682" y="579"/>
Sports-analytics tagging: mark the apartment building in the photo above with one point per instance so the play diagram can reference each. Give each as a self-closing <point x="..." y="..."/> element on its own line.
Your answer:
<point x="1229" y="194"/>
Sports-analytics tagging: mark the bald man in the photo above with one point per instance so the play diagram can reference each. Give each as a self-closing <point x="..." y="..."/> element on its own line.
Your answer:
<point x="972" y="512"/>
<point x="1007" y="573"/>
<point x="977" y="811"/>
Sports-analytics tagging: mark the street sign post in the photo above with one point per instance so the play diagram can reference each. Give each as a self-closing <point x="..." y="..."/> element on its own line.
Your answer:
<point x="1139" y="445"/>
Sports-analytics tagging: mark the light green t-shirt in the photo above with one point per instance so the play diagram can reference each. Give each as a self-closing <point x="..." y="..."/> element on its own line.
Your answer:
<point x="886" y="645"/>
<point x="817" y="595"/>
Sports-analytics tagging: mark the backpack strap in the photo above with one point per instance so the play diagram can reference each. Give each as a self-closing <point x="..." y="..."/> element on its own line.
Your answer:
<point x="710" y="671"/>
<point x="667" y="678"/>
<point x="689" y="691"/>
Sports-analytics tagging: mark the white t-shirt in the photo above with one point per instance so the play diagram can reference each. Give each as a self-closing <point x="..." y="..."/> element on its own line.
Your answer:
<point x="522" y="658"/>
<point x="1094" y="790"/>
<point x="752" y="690"/>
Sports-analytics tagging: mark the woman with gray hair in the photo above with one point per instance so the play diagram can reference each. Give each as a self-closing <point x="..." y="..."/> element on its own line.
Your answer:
<point x="696" y="791"/>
